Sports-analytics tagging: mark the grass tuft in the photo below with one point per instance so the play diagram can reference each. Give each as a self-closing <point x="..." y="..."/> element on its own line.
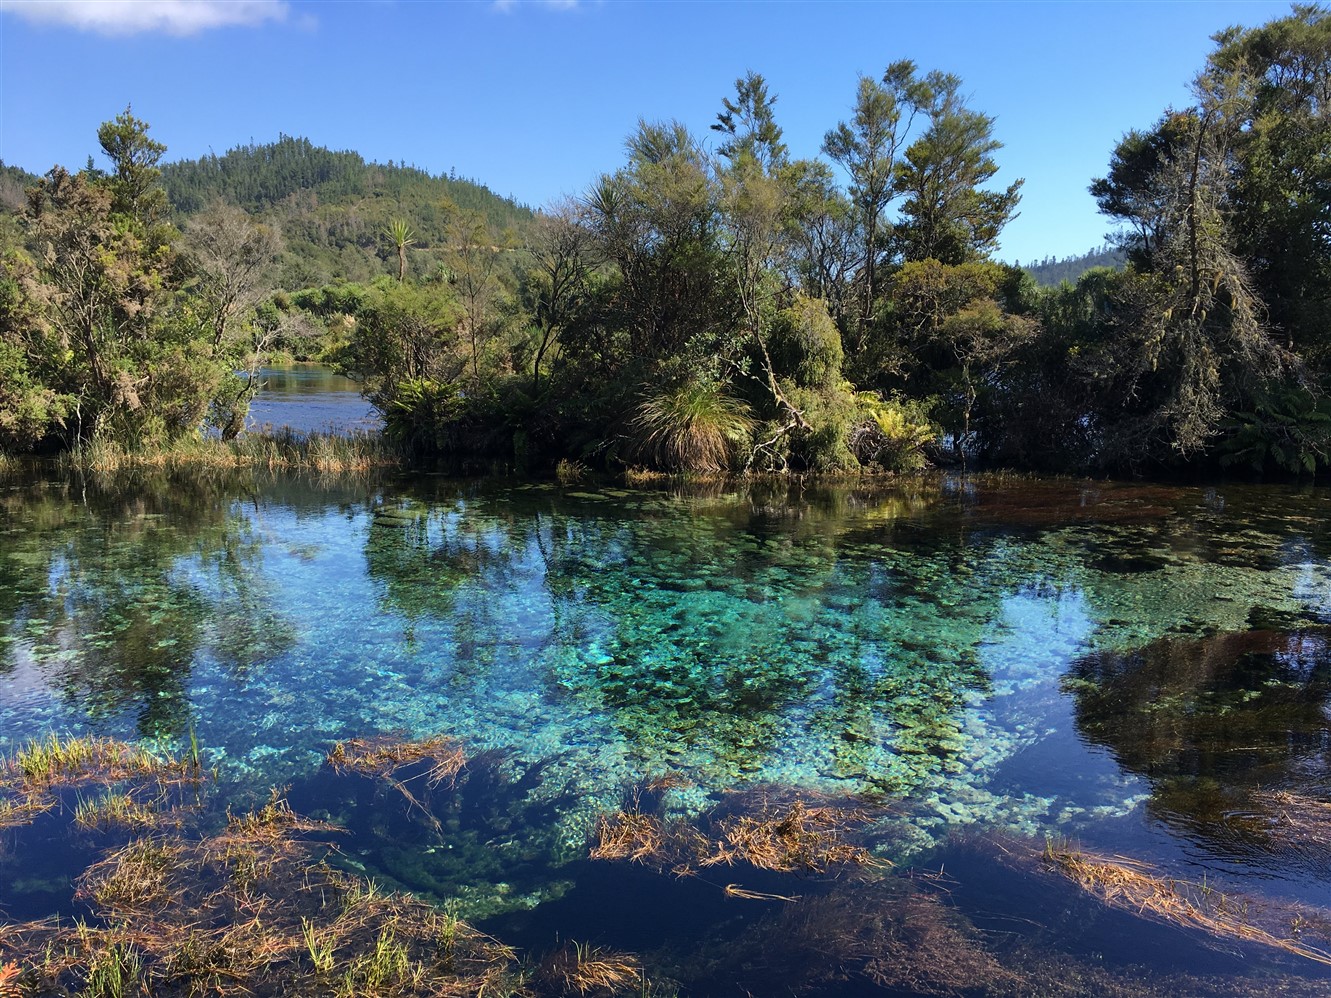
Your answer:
<point x="765" y="828"/>
<point x="583" y="969"/>
<point x="695" y="428"/>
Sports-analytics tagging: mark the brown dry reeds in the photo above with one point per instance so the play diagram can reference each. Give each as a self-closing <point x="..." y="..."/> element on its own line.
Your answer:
<point x="22" y="810"/>
<point x="383" y="756"/>
<point x="644" y="838"/>
<point x="767" y="828"/>
<point x="176" y="915"/>
<point x="1295" y="820"/>
<point x="1134" y="886"/>
<point x="583" y="969"/>
<point x="793" y="837"/>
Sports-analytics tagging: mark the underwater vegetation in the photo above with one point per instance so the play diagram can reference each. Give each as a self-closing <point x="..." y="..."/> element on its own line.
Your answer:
<point x="1134" y="886"/>
<point x="272" y="900"/>
<point x="763" y="827"/>
<point x="873" y="704"/>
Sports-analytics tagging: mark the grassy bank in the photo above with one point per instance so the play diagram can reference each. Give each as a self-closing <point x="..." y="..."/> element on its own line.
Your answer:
<point x="281" y="450"/>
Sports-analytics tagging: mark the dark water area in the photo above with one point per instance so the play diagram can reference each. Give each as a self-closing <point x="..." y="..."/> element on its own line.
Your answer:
<point x="310" y="398"/>
<point x="997" y="674"/>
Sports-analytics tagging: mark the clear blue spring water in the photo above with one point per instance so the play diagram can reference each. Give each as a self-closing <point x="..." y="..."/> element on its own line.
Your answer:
<point x="1125" y="667"/>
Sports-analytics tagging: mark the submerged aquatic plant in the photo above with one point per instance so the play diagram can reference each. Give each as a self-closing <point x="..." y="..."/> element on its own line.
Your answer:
<point x="768" y="828"/>
<point x="174" y="915"/>
<point x="1135" y="886"/>
<point x="582" y="969"/>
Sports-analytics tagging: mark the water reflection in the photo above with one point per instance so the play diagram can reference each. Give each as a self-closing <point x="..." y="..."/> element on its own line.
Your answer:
<point x="113" y="595"/>
<point x="1212" y="723"/>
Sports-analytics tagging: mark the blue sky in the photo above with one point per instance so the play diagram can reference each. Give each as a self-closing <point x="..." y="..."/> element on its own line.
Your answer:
<point x="535" y="98"/>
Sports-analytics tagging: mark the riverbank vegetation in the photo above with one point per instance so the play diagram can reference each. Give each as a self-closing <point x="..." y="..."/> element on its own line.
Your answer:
<point x="714" y="306"/>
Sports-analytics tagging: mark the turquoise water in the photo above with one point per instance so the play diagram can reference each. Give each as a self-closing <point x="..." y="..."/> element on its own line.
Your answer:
<point x="997" y="662"/>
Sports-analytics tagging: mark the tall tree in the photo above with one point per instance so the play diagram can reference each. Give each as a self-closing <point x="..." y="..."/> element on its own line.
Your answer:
<point x="473" y="259"/>
<point x="556" y="286"/>
<point x="401" y="236"/>
<point x="135" y="179"/>
<point x="948" y="214"/>
<point x="1192" y="333"/>
<point x="867" y="148"/>
<point x="1281" y="199"/>
<point x="756" y="199"/>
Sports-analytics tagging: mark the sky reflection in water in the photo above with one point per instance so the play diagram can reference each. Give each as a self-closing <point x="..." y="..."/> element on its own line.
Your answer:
<point x="1126" y="665"/>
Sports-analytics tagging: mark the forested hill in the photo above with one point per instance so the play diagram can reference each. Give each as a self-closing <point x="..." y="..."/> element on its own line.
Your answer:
<point x="334" y="209"/>
<point x="1050" y="273"/>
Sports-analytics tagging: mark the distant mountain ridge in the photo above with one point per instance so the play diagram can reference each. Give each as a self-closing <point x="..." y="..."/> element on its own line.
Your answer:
<point x="1050" y="272"/>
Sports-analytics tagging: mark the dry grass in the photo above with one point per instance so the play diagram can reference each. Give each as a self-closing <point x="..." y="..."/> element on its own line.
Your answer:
<point x="1295" y="820"/>
<point x="767" y="828"/>
<point x="9" y="980"/>
<point x="582" y="969"/>
<point x="793" y="837"/>
<point x="384" y="756"/>
<point x="1134" y="886"/>
<point x="644" y="838"/>
<point x="251" y="910"/>
<point x="57" y="761"/>
<point x="120" y="810"/>
<point x="282" y="449"/>
<point x="16" y="811"/>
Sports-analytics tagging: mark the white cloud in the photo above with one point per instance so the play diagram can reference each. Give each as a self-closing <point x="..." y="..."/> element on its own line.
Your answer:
<point x="131" y="17"/>
<point x="508" y="6"/>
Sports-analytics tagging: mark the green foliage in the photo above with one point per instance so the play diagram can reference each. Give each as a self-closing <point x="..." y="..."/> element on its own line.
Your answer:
<point x="1050" y="272"/>
<point x="831" y="414"/>
<point x="421" y="412"/>
<point x="333" y="208"/>
<point x="402" y="334"/>
<point x="692" y="427"/>
<point x="948" y="214"/>
<point x="893" y="433"/>
<point x="805" y="344"/>
<point x="1286" y="430"/>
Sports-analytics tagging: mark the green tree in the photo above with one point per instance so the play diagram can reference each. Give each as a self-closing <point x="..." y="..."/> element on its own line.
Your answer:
<point x="111" y="344"/>
<point x="868" y="148"/>
<point x="1280" y="201"/>
<point x="135" y="179"/>
<point x="557" y="284"/>
<point x="954" y="317"/>
<point x="401" y="236"/>
<point x="948" y="214"/>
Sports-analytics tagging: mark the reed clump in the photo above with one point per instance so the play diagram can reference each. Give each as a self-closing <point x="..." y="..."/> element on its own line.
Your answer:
<point x="118" y="810"/>
<point x="1295" y="820"/>
<point x="177" y="914"/>
<point x="1134" y="886"/>
<point x="55" y="761"/>
<point x="897" y="934"/>
<point x="274" y="450"/>
<point x="582" y="969"/>
<point x="384" y="756"/>
<point x="768" y="828"/>
<point x="142" y="789"/>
